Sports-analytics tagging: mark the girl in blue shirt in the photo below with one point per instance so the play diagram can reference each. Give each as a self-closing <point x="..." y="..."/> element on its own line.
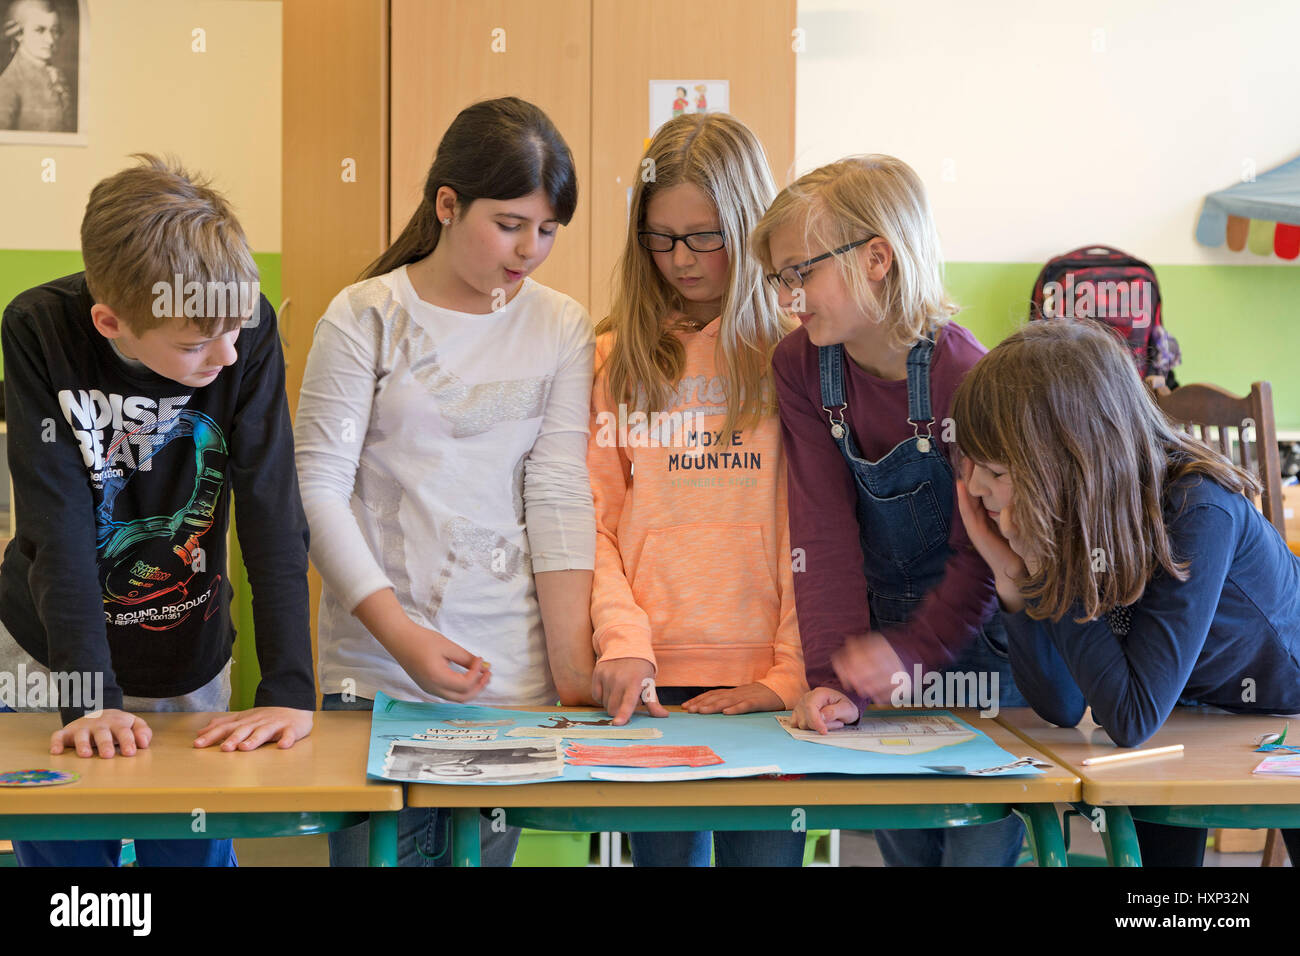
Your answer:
<point x="1133" y="569"/>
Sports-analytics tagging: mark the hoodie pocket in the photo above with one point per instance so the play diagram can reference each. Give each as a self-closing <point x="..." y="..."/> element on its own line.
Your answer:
<point x="707" y="583"/>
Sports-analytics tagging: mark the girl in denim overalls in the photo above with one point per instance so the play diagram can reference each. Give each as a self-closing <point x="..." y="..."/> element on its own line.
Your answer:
<point x="888" y="581"/>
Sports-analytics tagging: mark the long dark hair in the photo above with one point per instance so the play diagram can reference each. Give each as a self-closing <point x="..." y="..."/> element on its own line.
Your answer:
<point x="495" y="149"/>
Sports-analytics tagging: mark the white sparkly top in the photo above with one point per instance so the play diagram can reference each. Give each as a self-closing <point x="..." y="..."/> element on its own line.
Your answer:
<point x="443" y="454"/>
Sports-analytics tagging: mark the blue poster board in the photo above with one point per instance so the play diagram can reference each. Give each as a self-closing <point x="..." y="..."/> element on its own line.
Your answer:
<point x="468" y="744"/>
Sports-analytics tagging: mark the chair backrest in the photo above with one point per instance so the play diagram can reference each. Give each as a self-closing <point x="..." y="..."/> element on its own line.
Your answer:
<point x="1198" y="409"/>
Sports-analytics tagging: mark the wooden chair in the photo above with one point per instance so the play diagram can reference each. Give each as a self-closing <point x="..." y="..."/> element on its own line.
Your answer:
<point x="1197" y="409"/>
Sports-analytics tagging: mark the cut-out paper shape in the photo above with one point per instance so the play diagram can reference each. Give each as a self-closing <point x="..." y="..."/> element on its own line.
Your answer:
<point x="586" y="755"/>
<point x="479" y="723"/>
<point x="457" y="733"/>
<point x="562" y="726"/>
<point x="1022" y="762"/>
<point x="492" y="761"/>
<point x="668" y="776"/>
<point x="1276" y="743"/>
<point x="588" y="733"/>
<point x="900" y="734"/>
<point x="37" y="777"/>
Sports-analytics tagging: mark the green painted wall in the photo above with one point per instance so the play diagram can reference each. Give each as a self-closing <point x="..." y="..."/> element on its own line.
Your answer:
<point x="20" y="269"/>
<point x="1235" y="324"/>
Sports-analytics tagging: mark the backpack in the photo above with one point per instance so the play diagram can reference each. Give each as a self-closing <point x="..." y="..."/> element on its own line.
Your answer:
<point x="1116" y="289"/>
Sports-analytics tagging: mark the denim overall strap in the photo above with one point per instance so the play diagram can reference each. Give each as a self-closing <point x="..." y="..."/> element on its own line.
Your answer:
<point x="918" y="388"/>
<point x="830" y="363"/>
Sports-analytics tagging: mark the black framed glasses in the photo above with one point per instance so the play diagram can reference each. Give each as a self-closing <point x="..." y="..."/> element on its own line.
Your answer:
<point x="695" y="241"/>
<point x="792" y="276"/>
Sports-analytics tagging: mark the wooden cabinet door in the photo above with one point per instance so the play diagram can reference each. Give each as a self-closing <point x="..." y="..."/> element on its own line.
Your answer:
<point x="447" y="54"/>
<point x="746" y="42"/>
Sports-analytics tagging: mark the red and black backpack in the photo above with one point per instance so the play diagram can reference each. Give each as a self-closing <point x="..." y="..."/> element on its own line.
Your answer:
<point x="1116" y="289"/>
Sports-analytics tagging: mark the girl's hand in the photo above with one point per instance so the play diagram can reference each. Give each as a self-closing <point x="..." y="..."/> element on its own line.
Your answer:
<point x="249" y="729"/>
<point x="868" y="666"/>
<point x="105" y="732"/>
<point x="823" y="710"/>
<point x="1008" y="567"/>
<point x="428" y="657"/>
<point x="616" y="685"/>
<point x="744" y="699"/>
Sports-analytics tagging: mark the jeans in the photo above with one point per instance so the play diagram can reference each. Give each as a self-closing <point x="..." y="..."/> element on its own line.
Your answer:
<point x="731" y="847"/>
<point x="985" y="844"/>
<point x="422" y="833"/>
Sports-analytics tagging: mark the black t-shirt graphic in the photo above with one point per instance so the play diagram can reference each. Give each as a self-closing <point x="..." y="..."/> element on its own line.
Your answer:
<point x="122" y="484"/>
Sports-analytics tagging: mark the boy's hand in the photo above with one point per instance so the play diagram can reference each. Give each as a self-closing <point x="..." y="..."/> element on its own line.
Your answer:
<point x="429" y="657"/>
<point x="997" y="550"/>
<point x="249" y="729"/>
<point x="744" y="699"/>
<point x="823" y="709"/>
<point x="868" y="666"/>
<point x="616" y="685"/>
<point x="105" y="732"/>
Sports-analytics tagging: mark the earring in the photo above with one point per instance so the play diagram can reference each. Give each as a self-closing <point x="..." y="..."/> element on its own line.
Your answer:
<point x="446" y="222"/>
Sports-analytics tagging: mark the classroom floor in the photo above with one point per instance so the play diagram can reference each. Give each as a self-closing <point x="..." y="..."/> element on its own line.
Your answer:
<point x="857" y="848"/>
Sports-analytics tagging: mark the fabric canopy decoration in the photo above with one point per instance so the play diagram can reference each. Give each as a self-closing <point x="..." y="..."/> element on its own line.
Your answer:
<point x="1263" y="215"/>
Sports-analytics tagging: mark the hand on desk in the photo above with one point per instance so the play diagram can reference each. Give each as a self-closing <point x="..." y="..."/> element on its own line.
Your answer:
<point x="249" y="729"/>
<point x="106" y="732"/>
<point x="616" y="686"/>
<point x="744" y="699"/>
<point x="822" y="710"/>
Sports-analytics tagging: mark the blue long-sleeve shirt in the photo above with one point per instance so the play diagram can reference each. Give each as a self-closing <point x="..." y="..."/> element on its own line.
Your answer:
<point x="1228" y="636"/>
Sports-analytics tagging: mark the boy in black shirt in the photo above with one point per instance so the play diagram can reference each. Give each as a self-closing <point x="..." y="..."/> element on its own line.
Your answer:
<point x="139" y="394"/>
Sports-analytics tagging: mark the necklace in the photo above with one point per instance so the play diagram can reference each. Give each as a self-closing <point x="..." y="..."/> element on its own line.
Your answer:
<point x="690" y="325"/>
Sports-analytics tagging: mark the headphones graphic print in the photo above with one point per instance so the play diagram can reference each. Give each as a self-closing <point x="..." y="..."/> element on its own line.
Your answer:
<point x="145" y="558"/>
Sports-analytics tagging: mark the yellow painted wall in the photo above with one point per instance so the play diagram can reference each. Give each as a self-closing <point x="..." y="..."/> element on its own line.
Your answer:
<point x="218" y="111"/>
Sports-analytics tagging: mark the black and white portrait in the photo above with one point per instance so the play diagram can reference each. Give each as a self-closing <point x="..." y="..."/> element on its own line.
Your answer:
<point x="42" y="71"/>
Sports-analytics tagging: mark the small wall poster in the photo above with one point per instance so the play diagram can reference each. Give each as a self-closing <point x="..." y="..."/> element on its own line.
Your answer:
<point x="670" y="98"/>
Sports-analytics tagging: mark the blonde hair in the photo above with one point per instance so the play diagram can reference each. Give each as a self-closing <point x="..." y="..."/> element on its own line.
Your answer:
<point x="724" y="159"/>
<point x="1091" y="458"/>
<point x="862" y="196"/>
<point x="151" y="222"/>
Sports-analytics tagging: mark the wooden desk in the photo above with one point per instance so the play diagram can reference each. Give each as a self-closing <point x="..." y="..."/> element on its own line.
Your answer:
<point x="1209" y="785"/>
<point x="829" y="801"/>
<point x="317" y="786"/>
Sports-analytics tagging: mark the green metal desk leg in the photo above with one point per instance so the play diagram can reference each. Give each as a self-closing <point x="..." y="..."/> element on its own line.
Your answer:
<point x="1118" y="835"/>
<point x="383" y="838"/>
<point x="465" y="836"/>
<point x="1046" y="840"/>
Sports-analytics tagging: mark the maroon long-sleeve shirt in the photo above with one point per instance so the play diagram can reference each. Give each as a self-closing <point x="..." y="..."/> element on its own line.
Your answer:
<point x="831" y="591"/>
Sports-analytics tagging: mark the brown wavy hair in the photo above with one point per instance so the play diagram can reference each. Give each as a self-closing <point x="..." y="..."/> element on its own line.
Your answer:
<point x="1091" y="458"/>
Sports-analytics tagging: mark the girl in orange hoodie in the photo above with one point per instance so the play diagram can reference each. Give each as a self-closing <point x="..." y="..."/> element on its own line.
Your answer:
<point x="693" y="597"/>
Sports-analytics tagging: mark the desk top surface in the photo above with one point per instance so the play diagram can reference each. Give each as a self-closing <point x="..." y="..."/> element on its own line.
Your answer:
<point x="325" y="772"/>
<point x="1054" y="785"/>
<point x="1214" y="768"/>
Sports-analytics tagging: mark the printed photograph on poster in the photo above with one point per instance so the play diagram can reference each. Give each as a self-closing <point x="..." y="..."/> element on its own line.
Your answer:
<point x="43" y="57"/>
<point x="669" y="98"/>
<point x="483" y="761"/>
